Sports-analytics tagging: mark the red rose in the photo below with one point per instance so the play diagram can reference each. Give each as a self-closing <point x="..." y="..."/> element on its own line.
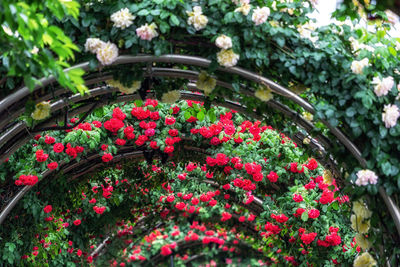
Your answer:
<point x="120" y="142"/>
<point x="169" y="149"/>
<point x="313" y="213"/>
<point x="175" y="109"/>
<point x="58" y="147"/>
<point x="99" y="210"/>
<point x="52" y="166"/>
<point x="113" y="125"/>
<point x="272" y="177"/>
<point x="49" y="140"/>
<point x="180" y="205"/>
<point x="225" y="216"/>
<point x="154" y="116"/>
<point x="41" y="156"/>
<point x="170" y="198"/>
<point x="195" y="201"/>
<point x="48" y="209"/>
<point x="310" y="185"/>
<point x="77" y="222"/>
<point x="104" y="147"/>
<point x="106" y="157"/>
<point x="312" y="164"/>
<point x="173" y="132"/>
<point x="118" y="114"/>
<point x="97" y="124"/>
<point x="308" y="238"/>
<point x="153" y="145"/>
<point x="299" y="212"/>
<point x="165" y="250"/>
<point x="169" y="120"/>
<point x="297" y="198"/>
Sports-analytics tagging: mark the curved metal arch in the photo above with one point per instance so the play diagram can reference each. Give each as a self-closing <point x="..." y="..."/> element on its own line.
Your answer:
<point x="159" y="72"/>
<point x="124" y="153"/>
<point x="202" y="62"/>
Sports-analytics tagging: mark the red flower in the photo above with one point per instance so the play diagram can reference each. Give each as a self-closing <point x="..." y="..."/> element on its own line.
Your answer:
<point x="166" y="250"/>
<point x="327" y="197"/>
<point x="272" y="177"/>
<point x="192" y="119"/>
<point x="155" y="116"/>
<point x="92" y="201"/>
<point x="41" y="156"/>
<point x="118" y="114"/>
<point x="175" y="109"/>
<point x="169" y="120"/>
<point x="308" y="238"/>
<point x="79" y="253"/>
<point x="49" y="140"/>
<point x="77" y="222"/>
<point x="169" y="149"/>
<point x="170" y="198"/>
<point x="113" y="125"/>
<point x="222" y="159"/>
<point x="104" y="147"/>
<point x="225" y="216"/>
<point x="297" y="198"/>
<point x="153" y="145"/>
<point x="195" y="201"/>
<point x="99" y="210"/>
<point x="120" y="142"/>
<point x="182" y="176"/>
<point x="48" y="209"/>
<point x="313" y="213"/>
<point x="28" y="179"/>
<point x="279" y="218"/>
<point x="128" y="132"/>
<point x="312" y="164"/>
<point x="310" y="185"/>
<point x="180" y="205"/>
<point x="96" y="124"/>
<point x="299" y="211"/>
<point x="106" y="157"/>
<point x="173" y="132"/>
<point x="52" y="166"/>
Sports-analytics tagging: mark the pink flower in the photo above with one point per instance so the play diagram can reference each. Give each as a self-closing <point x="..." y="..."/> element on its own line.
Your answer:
<point x="48" y="209"/>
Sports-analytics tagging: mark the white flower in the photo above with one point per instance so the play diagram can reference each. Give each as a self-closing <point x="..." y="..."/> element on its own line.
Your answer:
<point x="364" y="260"/>
<point x="241" y="2"/>
<point x="358" y="66"/>
<point x="244" y="9"/>
<point x="93" y="44"/>
<point x="196" y="18"/>
<point x="307" y="116"/>
<point x="260" y="15"/>
<point x="224" y="42"/>
<point x="206" y="83"/>
<point x="147" y="32"/>
<point x="107" y="53"/>
<point x="390" y="115"/>
<point x="227" y="58"/>
<point x="122" y="18"/>
<point x="125" y="89"/>
<point x="264" y="94"/>
<point x="171" y="96"/>
<point x="306" y="31"/>
<point x="382" y="87"/>
<point x="365" y="177"/>
<point x="42" y="110"/>
<point x="35" y="50"/>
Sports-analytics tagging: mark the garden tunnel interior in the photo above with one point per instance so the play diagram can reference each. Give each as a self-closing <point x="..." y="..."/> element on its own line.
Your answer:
<point x="16" y="134"/>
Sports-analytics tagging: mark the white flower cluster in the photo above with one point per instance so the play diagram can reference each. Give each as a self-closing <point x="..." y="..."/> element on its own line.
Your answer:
<point x="390" y="115"/>
<point x="147" y="32"/>
<point x="260" y="15"/>
<point x="227" y="58"/>
<point x="264" y="94"/>
<point x="171" y="97"/>
<point x="42" y="110"/>
<point x="356" y="46"/>
<point x="383" y="86"/>
<point x="306" y="31"/>
<point x="196" y="18"/>
<point x="244" y="8"/>
<point x="223" y="42"/>
<point x="365" y="177"/>
<point x="122" y="18"/>
<point x="106" y="53"/>
<point x="358" y="66"/>
<point x="125" y="89"/>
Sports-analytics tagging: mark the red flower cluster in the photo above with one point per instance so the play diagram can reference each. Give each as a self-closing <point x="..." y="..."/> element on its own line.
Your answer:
<point x="27" y="180"/>
<point x="99" y="210"/>
<point x="281" y="218"/>
<point x="113" y="125"/>
<point x="308" y="238"/>
<point x="41" y="156"/>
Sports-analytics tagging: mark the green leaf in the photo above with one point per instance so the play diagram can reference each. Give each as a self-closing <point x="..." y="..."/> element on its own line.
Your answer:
<point x="200" y="116"/>
<point x="173" y="20"/>
<point x="304" y="216"/>
<point x="187" y="115"/>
